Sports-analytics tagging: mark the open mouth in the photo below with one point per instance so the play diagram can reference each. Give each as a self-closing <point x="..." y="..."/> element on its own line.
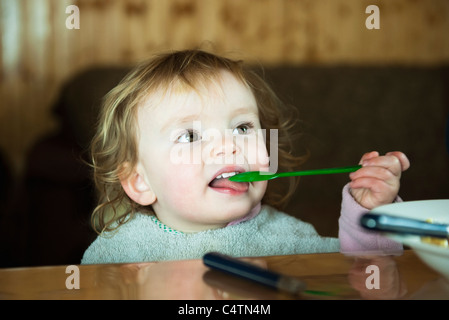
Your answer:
<point x="223" y="184"/>
<point x="225" y="175"/>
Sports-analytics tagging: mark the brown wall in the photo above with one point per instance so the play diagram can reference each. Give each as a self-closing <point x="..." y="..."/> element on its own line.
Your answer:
<point x="38" y="52"/>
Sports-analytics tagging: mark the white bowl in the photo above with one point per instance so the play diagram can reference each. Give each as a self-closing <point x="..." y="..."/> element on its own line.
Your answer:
<point x="435" y="256"/>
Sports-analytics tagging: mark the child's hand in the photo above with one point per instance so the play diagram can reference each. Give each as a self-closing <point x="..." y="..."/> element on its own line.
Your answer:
<point x="377" y="182"/>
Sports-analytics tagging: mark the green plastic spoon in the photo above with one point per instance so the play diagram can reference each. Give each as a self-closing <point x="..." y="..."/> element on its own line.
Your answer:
<point x="252" y="176"/>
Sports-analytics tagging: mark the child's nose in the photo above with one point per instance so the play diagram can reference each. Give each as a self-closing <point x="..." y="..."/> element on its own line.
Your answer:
<point x="226" y="147"/>
<point x="225" y="150"/>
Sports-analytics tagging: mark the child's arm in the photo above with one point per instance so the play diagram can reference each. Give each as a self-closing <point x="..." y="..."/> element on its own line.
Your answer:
<point x="375" y="184"/>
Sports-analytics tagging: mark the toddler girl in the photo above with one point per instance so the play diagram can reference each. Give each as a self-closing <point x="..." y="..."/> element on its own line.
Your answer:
<point x="170" y="135"/>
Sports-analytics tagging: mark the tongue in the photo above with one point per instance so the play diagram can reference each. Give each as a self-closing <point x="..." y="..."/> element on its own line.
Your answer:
<point x="226" y="183"/>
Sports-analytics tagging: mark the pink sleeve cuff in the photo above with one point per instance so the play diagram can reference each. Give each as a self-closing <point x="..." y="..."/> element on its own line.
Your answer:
<point x="354" y="239"/>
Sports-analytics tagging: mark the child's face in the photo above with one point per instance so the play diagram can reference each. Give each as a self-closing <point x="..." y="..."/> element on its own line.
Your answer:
<point x="187" y="139"/>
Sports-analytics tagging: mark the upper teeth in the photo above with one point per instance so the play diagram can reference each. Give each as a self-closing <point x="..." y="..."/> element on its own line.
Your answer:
<point x="226" y="175"/>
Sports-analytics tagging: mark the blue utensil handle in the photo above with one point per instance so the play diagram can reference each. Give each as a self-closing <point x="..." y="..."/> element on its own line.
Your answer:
<point x="389" y="223"/>
<point x="252" y="272"/>
<point x="240" y="268"/>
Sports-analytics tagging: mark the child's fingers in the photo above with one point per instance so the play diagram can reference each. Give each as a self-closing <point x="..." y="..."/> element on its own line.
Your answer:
<point x="373" y="184"/>
<point x="377" y="182"/>
<point x="389" y="162"/>
<point x="378" y="172"/>
<point x="372" y="159"/>
<point x="405" y="163"/>
<point x="369" y="155"/>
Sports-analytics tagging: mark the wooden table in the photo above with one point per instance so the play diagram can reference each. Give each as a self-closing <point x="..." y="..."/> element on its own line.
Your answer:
<point x="328" y="276"/>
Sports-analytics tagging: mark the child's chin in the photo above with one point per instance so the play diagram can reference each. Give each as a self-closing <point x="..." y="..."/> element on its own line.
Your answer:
<point x="235" y="215"/>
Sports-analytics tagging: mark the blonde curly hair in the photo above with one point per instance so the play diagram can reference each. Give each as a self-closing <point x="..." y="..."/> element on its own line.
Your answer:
<point x="115" y="141"/>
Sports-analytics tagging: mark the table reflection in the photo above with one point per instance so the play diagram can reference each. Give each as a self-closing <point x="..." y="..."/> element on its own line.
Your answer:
<point x="377" y="277"/>
<point x="384" y="282"/>
<point x="327" y="276"/>
<point x="158" y="280"/>
<point x="369" y="277"/>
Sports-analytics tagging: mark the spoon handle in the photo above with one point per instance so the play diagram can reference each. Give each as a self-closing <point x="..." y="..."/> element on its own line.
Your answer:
<point x="319" y="171"/>
<point x="252" y="176"/>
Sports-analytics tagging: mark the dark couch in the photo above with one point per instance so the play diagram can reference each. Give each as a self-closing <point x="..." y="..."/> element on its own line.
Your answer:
<point x="344" y="112"/>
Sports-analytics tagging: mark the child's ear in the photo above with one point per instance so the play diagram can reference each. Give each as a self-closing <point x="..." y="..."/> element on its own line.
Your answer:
<point x="138" y="189"/>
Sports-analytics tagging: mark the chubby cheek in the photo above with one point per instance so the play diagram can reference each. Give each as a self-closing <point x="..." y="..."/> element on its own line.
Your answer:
<point x="260" y="188"/>
<point x="181" y="185"/>
<point x="259" y="149"/>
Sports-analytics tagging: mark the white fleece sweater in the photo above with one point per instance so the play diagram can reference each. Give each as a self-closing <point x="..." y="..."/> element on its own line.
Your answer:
<point x="269" y="233"/>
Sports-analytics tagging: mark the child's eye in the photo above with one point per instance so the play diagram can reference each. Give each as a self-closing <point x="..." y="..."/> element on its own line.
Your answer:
<point x="244" y="128"/>
<point x="189" y="136"/>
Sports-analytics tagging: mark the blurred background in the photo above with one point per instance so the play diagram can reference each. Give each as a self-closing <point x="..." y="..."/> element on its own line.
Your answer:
<point x="356" y="90"/>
